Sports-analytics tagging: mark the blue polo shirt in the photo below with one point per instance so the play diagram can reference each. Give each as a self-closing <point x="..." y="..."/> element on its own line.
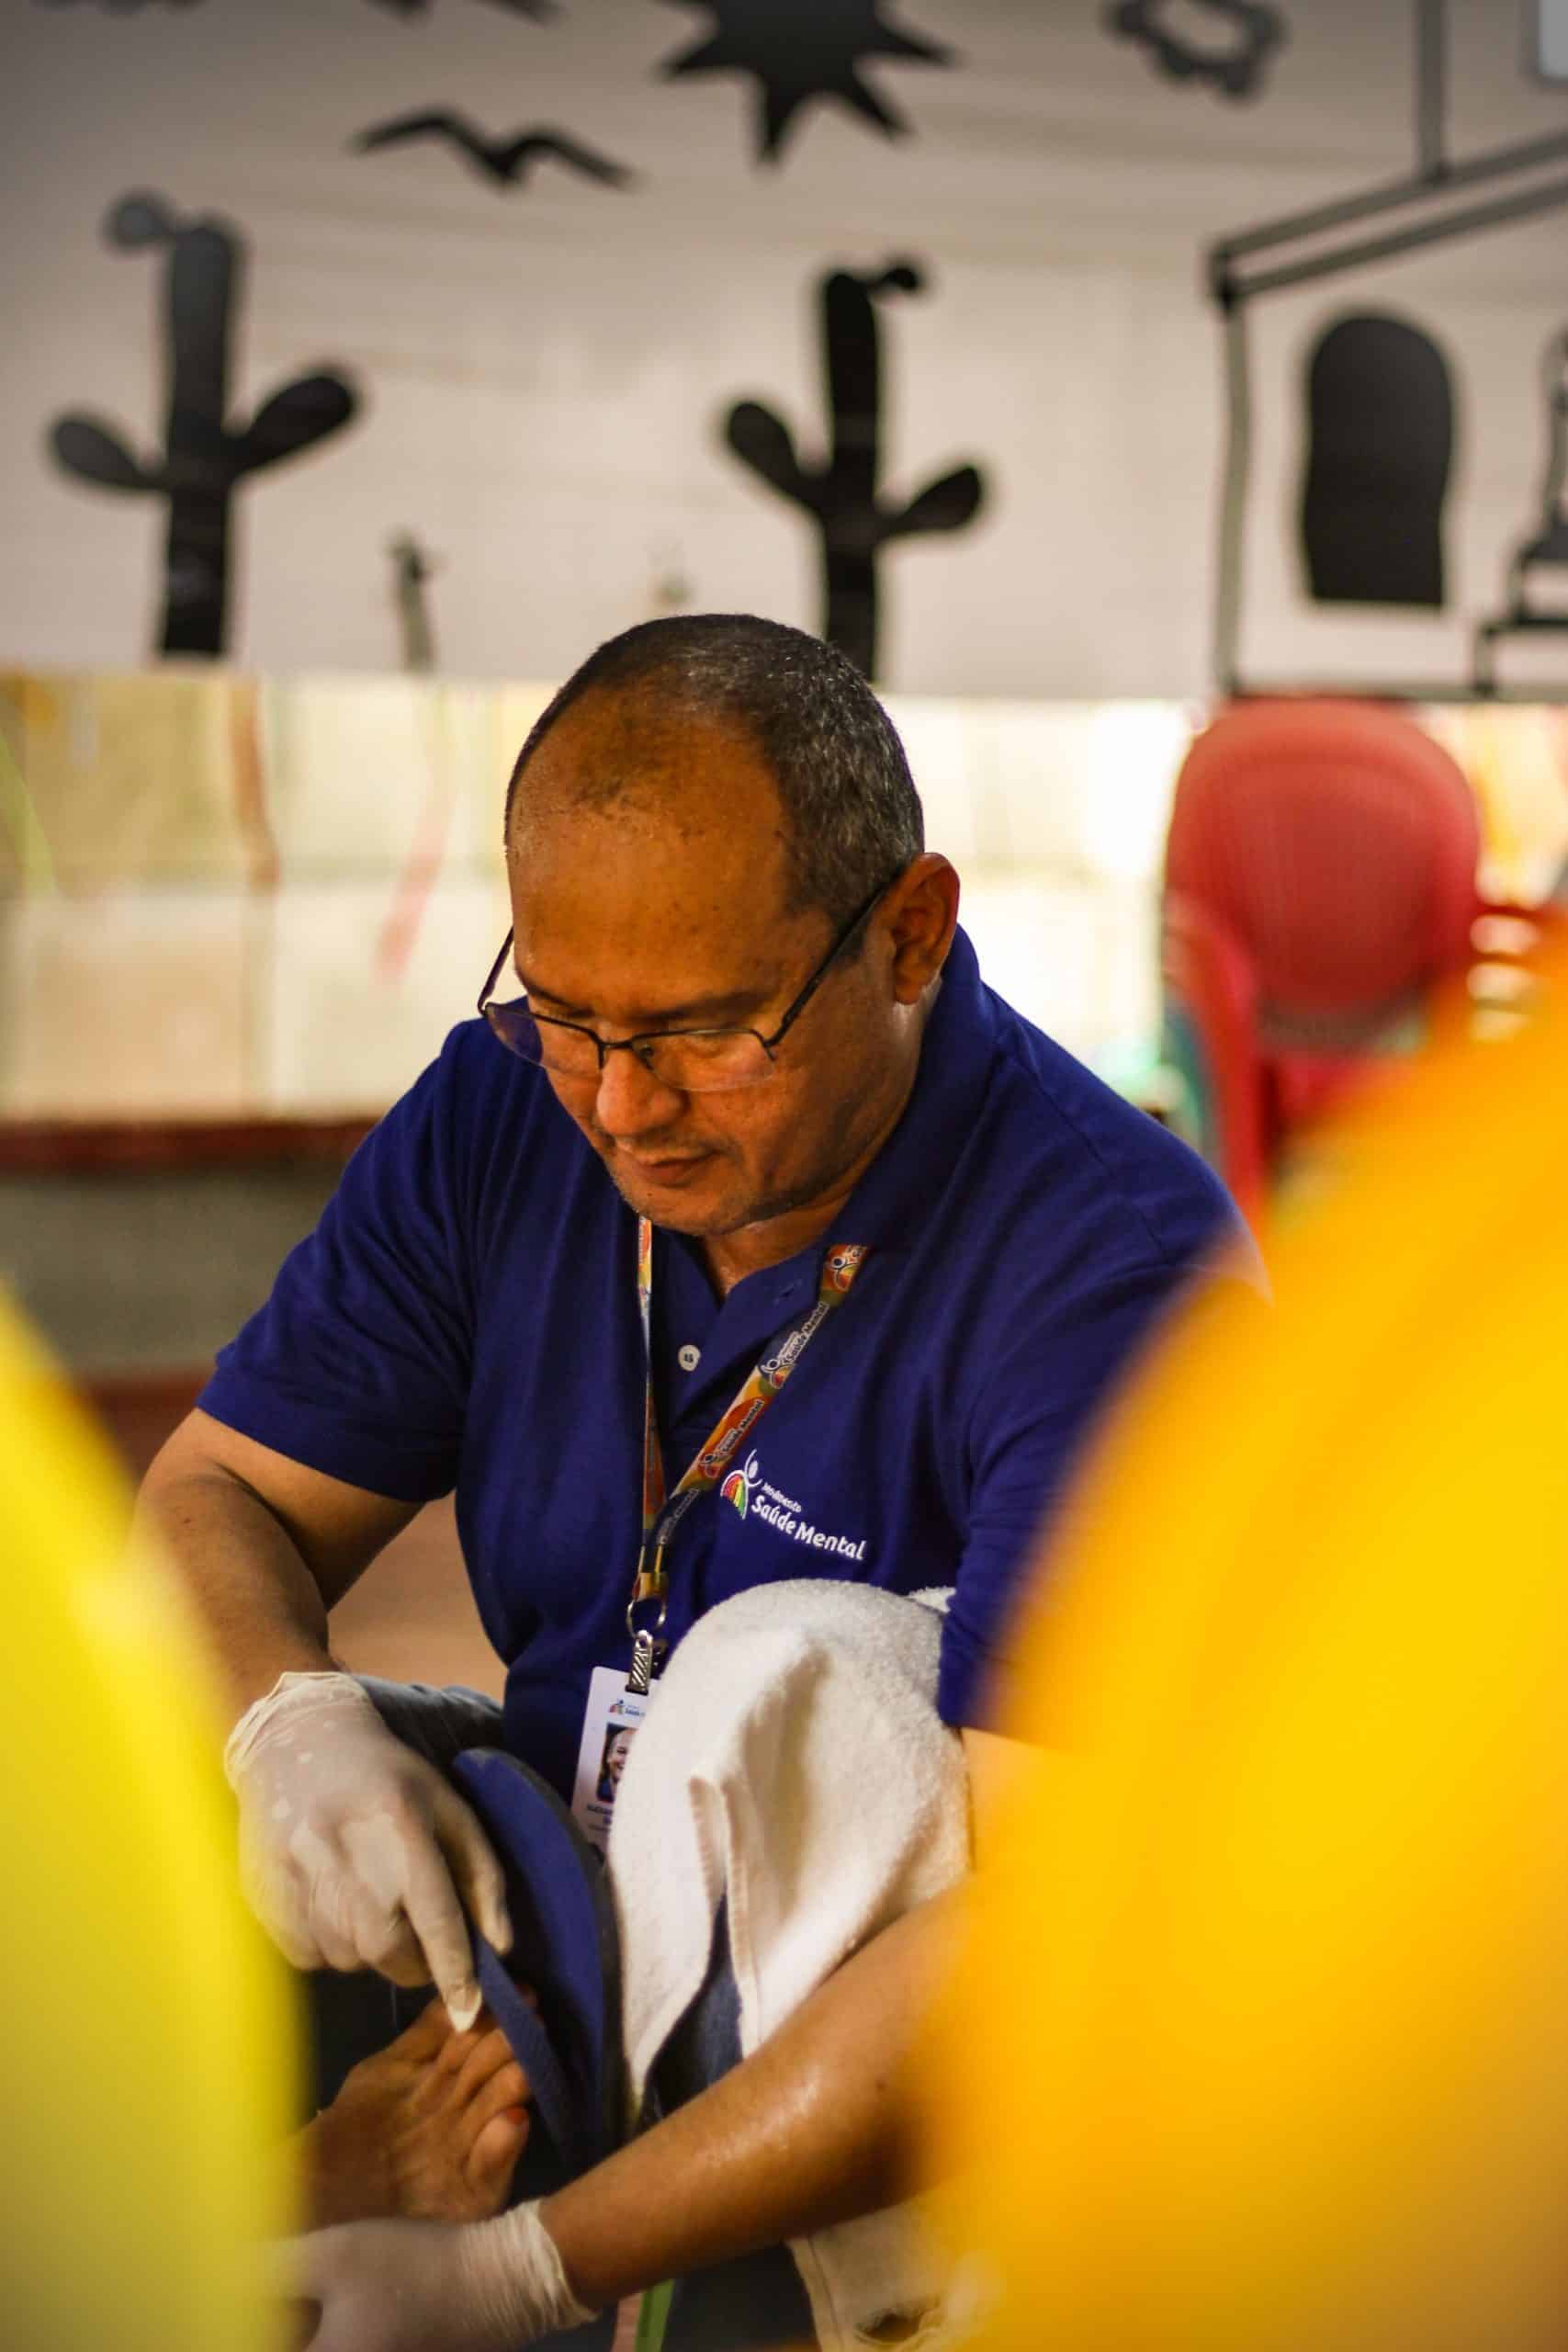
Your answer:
<point x="466" y="1317"/>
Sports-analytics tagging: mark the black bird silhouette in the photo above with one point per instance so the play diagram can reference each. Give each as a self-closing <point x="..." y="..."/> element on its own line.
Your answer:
<point x="505" y="160"/>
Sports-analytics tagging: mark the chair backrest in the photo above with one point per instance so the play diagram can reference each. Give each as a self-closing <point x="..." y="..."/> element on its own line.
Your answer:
<point x="1210" y="1041"/>
<point x="1337" y="842"/>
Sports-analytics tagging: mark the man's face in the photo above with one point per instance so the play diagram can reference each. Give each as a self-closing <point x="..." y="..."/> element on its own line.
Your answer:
<point x="664" y="907"/>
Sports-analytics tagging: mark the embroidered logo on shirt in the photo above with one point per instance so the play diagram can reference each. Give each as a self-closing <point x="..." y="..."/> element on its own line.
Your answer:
<point x="775" y="1509"/>
<point x="736" y="1487"/>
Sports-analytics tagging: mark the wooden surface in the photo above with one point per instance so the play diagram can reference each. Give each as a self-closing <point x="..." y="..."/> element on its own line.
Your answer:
<point x="47" y="1147"/>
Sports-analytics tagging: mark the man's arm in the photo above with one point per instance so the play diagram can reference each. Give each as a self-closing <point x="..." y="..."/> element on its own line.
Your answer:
<point x="814" y="2128"/>
<point x="262" y="1546"/>
<point x="353" y="1850"/>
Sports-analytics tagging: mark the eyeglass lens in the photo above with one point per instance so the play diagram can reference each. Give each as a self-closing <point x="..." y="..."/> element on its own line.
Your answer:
<point x="696" y="1062"/>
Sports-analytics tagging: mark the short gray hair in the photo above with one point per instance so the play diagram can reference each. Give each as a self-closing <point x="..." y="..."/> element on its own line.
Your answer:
<point x="853" y="815"/>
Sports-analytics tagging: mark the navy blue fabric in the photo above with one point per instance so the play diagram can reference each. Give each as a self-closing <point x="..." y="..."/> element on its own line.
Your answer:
<point x="534" y="2047"/>
<point x="465" y="1316"/>
<point x="757" y="2302"/>
<point x="564" y="1946"/>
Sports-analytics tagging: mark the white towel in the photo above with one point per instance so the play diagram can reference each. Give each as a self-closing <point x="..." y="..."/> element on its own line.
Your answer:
<point x="794" y="1763"/>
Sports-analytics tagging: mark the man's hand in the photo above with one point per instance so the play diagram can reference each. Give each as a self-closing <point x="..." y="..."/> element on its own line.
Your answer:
<point x="428" y="2287"/>
<point x="353" y="1851"/>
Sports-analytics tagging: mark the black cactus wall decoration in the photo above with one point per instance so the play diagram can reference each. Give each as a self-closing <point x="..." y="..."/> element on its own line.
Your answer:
<point x="205" y="456"/>
<point x="842" y="495"/>
<point x="801" y="50"/>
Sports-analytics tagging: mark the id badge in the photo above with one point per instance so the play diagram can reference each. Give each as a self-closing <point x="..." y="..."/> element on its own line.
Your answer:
<point x="609" y="1726"/>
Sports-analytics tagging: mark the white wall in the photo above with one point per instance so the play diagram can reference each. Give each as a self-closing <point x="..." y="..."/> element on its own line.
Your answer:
<point x="544" y="373"/>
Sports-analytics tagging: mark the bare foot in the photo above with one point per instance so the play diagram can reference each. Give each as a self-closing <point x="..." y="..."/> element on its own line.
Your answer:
<point x="428" y="2129"/>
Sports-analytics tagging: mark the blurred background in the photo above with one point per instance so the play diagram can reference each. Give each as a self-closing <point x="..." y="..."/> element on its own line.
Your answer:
<point x="1165" y="401"/>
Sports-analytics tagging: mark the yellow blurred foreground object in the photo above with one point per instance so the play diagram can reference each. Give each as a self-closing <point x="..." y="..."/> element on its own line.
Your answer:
<point x="1261" y="2040"/>
<point x="149" y="2044"/>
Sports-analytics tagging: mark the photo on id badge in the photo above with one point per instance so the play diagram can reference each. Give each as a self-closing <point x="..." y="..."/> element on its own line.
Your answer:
<point x="609" y="1726"/>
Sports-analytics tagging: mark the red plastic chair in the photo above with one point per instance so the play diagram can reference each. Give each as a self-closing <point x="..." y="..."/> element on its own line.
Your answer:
<point x="1210" y="1043"/>
<point x="1328" y="850"/>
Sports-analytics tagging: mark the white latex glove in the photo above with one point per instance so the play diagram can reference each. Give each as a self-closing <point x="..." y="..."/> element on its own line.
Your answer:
<point x="353" y="1850"/>
<point x="432" y="2286"/>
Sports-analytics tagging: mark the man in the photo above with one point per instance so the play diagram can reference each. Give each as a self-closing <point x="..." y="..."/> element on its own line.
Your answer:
<point x="898" y="1247"/>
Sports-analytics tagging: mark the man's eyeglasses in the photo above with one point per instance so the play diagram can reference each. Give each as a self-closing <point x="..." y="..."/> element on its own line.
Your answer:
<point x="692" y="1061"/>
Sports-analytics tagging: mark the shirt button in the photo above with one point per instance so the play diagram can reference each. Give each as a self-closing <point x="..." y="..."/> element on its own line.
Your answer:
<point x="689" y="1357"/>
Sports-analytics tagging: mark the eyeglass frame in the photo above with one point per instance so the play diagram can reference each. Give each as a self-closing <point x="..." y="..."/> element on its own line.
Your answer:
<point x="606" y="1047"/>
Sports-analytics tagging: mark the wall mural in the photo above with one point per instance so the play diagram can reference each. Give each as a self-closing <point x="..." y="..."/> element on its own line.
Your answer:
<point x="204" y="458"/>
<point x="1380" y="436"/>
<point x="802" y="49"/>
<point x="1237" y="68"/>
<point x="509" y="161"/>
<point x="798" y="51"/>
<point x="1378" y="455"/>
<point x="841" y="496"/>
<point x="1381" y="406"/>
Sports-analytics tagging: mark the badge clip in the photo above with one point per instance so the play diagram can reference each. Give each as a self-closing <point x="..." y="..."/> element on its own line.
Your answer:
<point x="647" y="1656"/>
<point x="649" y="1646"/>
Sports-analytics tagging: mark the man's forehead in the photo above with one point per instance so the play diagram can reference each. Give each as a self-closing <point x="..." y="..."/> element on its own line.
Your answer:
<point x="653" y="983"/>
<point x="691" y="801"/>
<point x="648" y="928"/>
<point x="649" y="862"/>
<point x="647" y="750"/>
<point x="705" y="864"/>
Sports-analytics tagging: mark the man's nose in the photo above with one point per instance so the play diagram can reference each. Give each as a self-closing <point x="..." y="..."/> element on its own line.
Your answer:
<point x="631" y="1101"/>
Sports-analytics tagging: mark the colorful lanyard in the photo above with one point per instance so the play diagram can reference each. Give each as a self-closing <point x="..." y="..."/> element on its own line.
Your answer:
<point x="661" y="1514"/>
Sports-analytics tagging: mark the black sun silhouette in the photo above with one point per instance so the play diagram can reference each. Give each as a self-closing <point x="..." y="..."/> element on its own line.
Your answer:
<point x="801" y="50"/>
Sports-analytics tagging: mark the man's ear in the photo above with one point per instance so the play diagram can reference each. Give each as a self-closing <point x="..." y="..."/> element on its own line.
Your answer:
<point x="921" y="910"/>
